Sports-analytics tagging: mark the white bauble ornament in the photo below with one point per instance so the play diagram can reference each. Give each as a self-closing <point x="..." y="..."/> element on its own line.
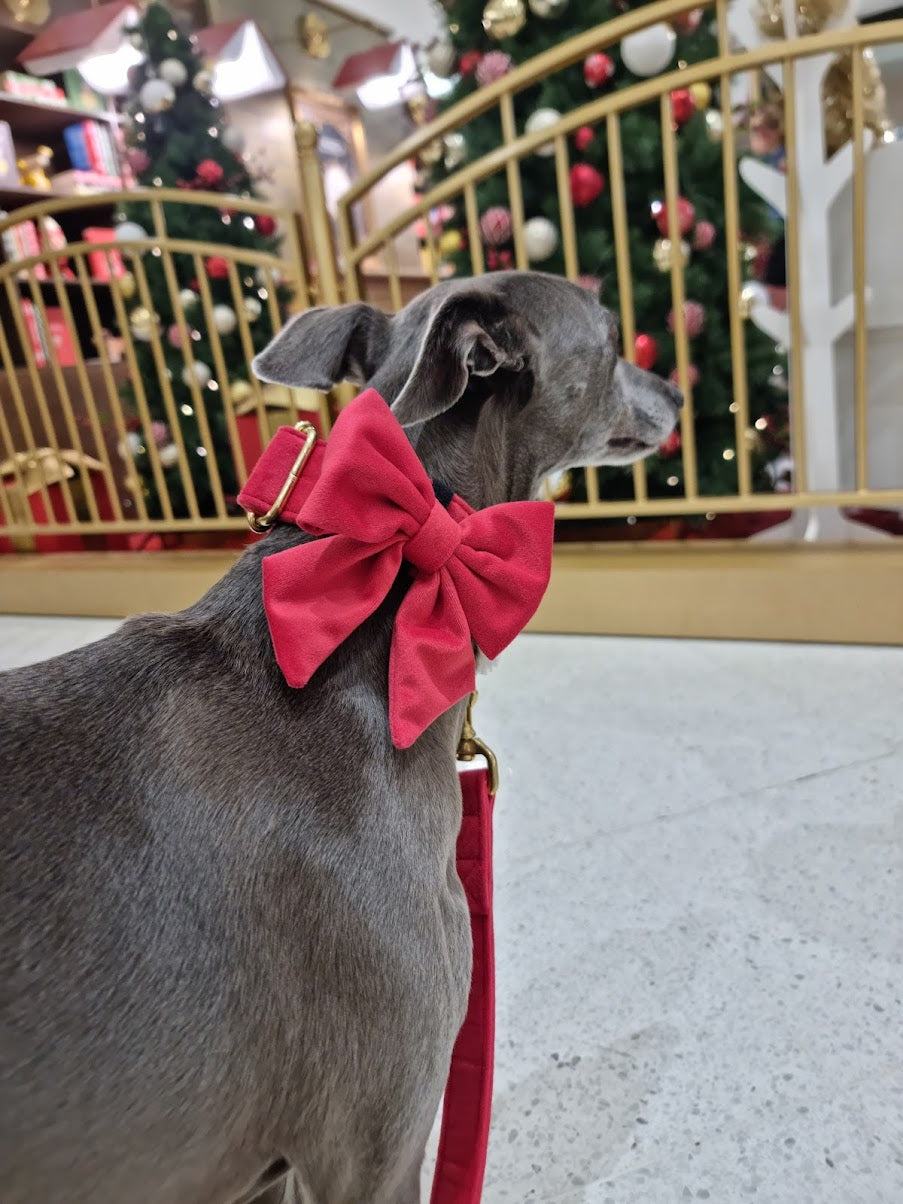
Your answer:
<point x="142" y="324"/>
<point x="252" y="308"/>
<point x="224" y="318"/>
<point x="157" y="95"/>
<point x="753" y="295"/>
<point x="455" y="150"/>
<point x="648" y="51"/>
<point x="547" y="8"/>
<point x="169" y="455"/>
<point x="174" y="72"/>
<point x="441" y="57"/>
<point x="129" y="232"/>
<point x="542" y="119"/>
<point x="131" y="445"/>
<point x="198" y="372"/>
<point x="203" y="82"/>
<point x="540" y="239"/>
<point x="188" y="297"/>
<point x="233" y="139"/>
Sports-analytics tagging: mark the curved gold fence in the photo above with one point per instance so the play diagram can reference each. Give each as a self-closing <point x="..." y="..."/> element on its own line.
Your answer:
<point x="65" y="427"/>
<point x="460" y="189"/>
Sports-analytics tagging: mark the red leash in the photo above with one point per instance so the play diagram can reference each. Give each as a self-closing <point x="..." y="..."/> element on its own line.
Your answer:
<point x="467" y="1106"/>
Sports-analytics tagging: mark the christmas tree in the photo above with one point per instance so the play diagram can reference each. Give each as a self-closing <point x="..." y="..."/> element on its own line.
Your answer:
<point x="484" y="41"/>
<point x="177" y="138"/>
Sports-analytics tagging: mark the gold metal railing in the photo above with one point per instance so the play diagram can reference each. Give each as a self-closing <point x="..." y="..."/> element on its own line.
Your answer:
<point x="64" y="431"/>
<point x="67" y="463"/>
<point x="460" y="190"/>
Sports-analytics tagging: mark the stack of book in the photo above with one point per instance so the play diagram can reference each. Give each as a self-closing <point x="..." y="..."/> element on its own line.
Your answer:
<point x="91" y="147"/>
<point x="30" y="87"/>
<point x="48" y="334"/>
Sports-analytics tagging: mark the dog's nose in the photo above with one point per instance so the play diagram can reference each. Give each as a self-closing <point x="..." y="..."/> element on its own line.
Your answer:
<point x="674" y="395"/>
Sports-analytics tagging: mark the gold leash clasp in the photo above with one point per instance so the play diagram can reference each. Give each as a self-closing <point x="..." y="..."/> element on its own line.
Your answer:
<point x="261" y="523"/>
<point x="471" y="746"/>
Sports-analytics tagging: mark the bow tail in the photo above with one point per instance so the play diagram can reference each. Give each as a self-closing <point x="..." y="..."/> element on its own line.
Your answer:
<point x="316" y="594"/>
<point x="431" y="662"/>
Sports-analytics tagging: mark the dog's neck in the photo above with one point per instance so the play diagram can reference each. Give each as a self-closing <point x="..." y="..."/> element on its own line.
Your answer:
<point x="474" y="447"/>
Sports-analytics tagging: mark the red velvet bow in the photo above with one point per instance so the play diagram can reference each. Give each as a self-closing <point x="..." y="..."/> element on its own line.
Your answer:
<point x="478" y="575"/>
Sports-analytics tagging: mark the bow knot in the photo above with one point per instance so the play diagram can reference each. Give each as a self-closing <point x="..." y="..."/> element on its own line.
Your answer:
<point x="436" y="541"/>
<point x="480" y="575"/>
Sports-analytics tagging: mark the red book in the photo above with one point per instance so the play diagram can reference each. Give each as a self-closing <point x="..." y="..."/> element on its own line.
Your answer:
<point x="101" y="262"/>
<point x="95" y="150"/>
<point x="33" y="330"/>
<point x="59" y="335"/>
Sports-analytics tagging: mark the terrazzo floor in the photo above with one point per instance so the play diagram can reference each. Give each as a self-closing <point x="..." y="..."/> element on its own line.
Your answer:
<point x="699" y="888"/>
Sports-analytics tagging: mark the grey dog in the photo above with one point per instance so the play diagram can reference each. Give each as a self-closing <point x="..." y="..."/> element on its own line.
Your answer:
<point x="233" y="943"/>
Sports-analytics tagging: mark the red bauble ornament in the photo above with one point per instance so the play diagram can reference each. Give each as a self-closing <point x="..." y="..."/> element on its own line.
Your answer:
<point x="469" y="61"/>
<point x="217" y="267"/>
<point x="583" y="137"/>
<point x="686" y="216"/>
<point x="645" y="351"/>
<point x="266" y="224"/>
<point x="682" y="106"/>
<point x="671" y="445"/>
<point x="687" y="22"/>
<point x="209" y="174"/>
<point x="598" y="69"/>
<point x="586" y="184"/>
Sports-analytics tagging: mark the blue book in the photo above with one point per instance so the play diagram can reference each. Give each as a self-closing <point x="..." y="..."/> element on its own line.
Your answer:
<point x="77" y="147"/>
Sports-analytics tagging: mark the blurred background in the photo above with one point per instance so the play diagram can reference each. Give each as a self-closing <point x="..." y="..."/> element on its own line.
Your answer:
<point x="177" y="181"/>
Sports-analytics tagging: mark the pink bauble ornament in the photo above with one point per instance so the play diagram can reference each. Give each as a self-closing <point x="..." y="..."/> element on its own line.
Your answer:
<point x="495" y="225"/>
<point x="586" y="184"/>
<point x="703" y="236"/>
<point x="493" y="66"/>
<point x="138" y="160"/>
<point x="592" y="284"/>
<point x="160" y="432"/>
<point x="598" y="69"/>
<point x="692" y="376"/>
<point x="694" y="318"/>
<point x="583" y="137"/>
<point x="173" y="336"/>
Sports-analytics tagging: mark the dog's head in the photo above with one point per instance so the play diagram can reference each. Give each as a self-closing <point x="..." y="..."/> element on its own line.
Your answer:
<point x="499" y="380"/>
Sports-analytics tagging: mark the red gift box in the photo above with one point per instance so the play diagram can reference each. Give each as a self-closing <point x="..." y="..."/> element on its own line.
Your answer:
<point x="25" y="497"/>
<point x="280" y="409"/>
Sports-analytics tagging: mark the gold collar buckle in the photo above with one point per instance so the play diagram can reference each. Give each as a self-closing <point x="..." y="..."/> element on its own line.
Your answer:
<point x="261" y="523"/>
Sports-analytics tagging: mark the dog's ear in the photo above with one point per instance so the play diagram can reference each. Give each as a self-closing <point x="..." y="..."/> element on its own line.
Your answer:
<point x="456" y="346"/>
<point x="322" y="346"/>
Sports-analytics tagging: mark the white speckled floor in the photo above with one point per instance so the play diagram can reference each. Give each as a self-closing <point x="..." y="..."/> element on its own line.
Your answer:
<point x="700" y="930"/>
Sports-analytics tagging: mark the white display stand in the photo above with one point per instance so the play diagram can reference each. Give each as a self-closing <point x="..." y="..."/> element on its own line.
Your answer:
<point x="824" y="225"/>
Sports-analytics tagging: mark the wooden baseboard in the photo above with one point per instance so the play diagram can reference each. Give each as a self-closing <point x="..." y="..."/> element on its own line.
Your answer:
<point x="823" y="593"/>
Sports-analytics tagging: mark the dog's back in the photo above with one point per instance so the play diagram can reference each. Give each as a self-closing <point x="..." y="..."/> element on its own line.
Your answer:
<point x="118" y="962"/>
<point x="197" y="864"/>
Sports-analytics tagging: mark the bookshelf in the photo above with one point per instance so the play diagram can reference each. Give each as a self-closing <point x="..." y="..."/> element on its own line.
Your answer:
<point x="38" y="121"/>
